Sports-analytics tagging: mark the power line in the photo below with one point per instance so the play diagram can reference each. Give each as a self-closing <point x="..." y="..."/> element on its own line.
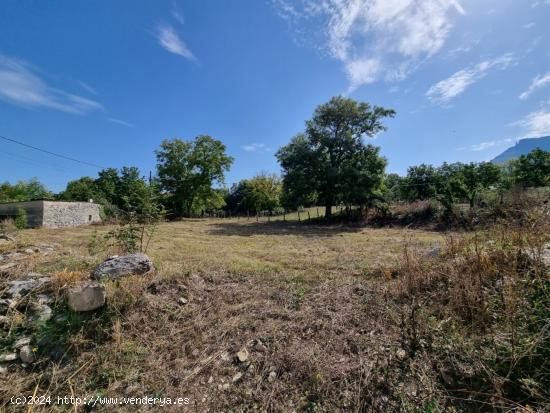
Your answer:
<point x="52" y="153"/>
<point x="34" y="162"/>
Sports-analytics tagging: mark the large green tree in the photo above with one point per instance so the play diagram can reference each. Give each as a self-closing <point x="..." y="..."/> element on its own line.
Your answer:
<point x="24" y="191"/>
<point x="478" y="176"/>
<point x="452" y="182"/>
<point x="82" y="189"/>
<point x="420" y="182"/>
<point x="260" y="193"/>
<point x="533" y="169"/>
<point x="330" y="160"/>
<point x="124" y="191"/>
<point x="188" y="169"/>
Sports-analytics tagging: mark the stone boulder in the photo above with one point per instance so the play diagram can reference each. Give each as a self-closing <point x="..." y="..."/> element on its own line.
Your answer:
<point x="87" y="296"/>
<point x="26" y="355"/>
<point x="22" y="286"/>
<point x="117" y="267"/>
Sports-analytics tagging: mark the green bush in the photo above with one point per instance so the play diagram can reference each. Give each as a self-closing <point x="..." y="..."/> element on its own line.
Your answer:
<point x="21" y="219"/>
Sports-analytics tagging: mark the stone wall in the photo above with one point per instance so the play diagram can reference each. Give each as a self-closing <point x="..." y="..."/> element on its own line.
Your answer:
<point x="70" y="214"/>
<point x="52" y="214"/>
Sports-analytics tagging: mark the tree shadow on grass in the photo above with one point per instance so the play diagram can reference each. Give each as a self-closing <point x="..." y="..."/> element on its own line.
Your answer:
<point x="248" y="229"/>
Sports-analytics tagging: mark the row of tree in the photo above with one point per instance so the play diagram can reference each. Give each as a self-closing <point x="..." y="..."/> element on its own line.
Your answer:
<point x="327" y="164"/>
<point x="457" y="182"/>
<point x="24" y="191"/>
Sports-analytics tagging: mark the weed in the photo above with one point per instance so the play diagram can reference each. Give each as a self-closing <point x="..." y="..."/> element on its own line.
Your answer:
<point x="21" y="219"/>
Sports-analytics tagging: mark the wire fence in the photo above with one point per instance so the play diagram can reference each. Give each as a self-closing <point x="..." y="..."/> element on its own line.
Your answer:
<point x="299" y="215"/>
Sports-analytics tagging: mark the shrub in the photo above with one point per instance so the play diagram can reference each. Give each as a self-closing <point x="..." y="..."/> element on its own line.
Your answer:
<point x="21" y="219"/>
<point x="481" y="311"/>
<point x="133" y="232"/>
<point x="7" y="226"/>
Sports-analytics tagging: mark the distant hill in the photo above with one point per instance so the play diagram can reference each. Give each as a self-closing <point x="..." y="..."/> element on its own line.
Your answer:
<point x="523" y="147"/>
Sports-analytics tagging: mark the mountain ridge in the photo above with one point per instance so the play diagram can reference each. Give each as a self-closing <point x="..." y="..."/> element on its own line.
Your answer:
<point x="523" y="147"/>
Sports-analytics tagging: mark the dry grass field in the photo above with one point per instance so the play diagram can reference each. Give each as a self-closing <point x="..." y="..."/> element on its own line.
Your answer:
<point x="302" y="291"/>
<point x="246" y="316"/>
<point x="274" y="251"/>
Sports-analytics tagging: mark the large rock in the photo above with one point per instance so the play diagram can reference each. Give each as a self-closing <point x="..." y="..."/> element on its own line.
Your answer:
<point x="22" y="286"/>
<point x="117" y="267"/>
<point x="26" y="354"/>
<point x="42" y="312"/>
<point x="86" y="297"/>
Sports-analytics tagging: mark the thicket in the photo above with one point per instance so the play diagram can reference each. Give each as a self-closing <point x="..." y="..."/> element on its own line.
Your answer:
<point x="24" y="191"/>
<point x="479" y="310"/>
<point x="459" y="182"/>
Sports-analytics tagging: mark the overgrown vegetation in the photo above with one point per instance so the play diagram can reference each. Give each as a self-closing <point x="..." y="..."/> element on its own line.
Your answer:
<point x="452" y="184"/>
<point x="20" y="220"/>
<point x="480" y="310"/>
<point x="119" y="192"/>
<point x="24" y="191"/>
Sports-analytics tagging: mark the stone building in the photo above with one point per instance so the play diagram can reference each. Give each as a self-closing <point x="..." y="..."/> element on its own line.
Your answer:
<point x="54" y="214"/>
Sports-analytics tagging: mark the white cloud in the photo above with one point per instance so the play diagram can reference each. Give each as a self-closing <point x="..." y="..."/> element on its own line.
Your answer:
<point x="537" y="83"/>
<point x="464" y="48"/>
<point x="177" y="15"/>
<point x="20" y="85"/>
<point x="529" y="25"/>
<point x="539" y="3"/>
<point x="447" y="89"/>
<point x="377" y="39"/>
<point x="477" y="147"/>
<point x="170" y="40"/>
<point x="255" y="147"/>
<point x="121" y="122"/>
<point x="87" y="87"/>
<point x="482" y="146"/>
<point x="536" y="123"/>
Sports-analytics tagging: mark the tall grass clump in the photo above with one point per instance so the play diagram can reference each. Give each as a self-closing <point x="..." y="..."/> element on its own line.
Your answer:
<point x="481" y="311"/>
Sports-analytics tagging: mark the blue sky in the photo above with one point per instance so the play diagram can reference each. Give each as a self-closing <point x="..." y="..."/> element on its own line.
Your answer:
<point x="106" y="81"/>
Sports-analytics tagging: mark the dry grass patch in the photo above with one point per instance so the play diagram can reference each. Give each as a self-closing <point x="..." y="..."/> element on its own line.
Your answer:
<point x="303" y="300"/>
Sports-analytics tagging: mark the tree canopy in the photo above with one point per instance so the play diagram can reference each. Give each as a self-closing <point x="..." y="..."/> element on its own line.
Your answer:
<point x="188" y="169"/>
<point x="330" y="162"/>
<point x="260" y="193"/>
<point x="533" y="169"/>
<point x="24" y="191"/>
<point x="124" y="191"/>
